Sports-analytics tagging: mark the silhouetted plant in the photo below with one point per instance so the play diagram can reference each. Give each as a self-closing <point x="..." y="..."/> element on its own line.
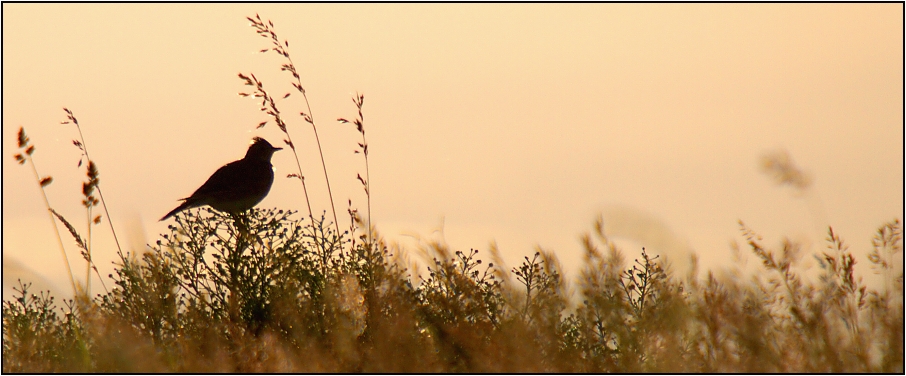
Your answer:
<point x="265" y="30"/>
<point x="24" y="156"/>
<point x="253" y="292"/>
<point x="37" y="339"/>
<point x="92" y="184"/>
<point x="359" y="122"/>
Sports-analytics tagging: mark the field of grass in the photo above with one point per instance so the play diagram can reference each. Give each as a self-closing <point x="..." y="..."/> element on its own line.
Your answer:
<point x="275" y="290"/>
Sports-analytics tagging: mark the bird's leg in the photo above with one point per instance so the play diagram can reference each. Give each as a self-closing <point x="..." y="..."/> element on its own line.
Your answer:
<point x="234" y="259"/>
<point x="240" y="221"/>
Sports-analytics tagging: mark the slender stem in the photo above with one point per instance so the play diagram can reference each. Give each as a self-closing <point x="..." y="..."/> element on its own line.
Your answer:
<point x="301" y="177"/>
<point x="53" y="221"/>
<point x="281" y="49"/>
<point x="360" y="101"/>
<point x="88" y="252"/>
<point x="359" y="122"/>
<point x="305" y="189"/>
<point x="311" y="120"/>
<point x="119" y="249"/>
<point x="368" y="196"/>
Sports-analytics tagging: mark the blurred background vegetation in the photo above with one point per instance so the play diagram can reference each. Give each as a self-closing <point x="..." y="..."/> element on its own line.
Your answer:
<point x="274" y="291"/>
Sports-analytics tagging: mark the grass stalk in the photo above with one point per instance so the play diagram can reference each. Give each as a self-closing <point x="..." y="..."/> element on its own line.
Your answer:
<point x="265" y="30"/>
<point x="269" y="107"/>
<point x="84" y="147"/>
<point x="359" y="122"/>
<point x="23" y="157"/>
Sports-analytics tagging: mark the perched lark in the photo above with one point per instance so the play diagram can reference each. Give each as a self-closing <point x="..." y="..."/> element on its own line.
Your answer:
<point x="237" y="186"/>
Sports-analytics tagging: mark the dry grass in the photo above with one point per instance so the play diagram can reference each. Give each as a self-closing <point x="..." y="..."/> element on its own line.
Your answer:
<point x="210" y="298"/>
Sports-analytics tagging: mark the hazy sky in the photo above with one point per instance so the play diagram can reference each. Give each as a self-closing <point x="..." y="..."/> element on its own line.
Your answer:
<point x="516" y="123"/>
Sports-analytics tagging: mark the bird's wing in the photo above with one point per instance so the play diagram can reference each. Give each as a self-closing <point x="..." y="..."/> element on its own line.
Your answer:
<point x="223" y="180"/>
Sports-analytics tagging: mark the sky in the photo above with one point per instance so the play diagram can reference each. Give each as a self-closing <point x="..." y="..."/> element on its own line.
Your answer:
<point x="516" y="124"/>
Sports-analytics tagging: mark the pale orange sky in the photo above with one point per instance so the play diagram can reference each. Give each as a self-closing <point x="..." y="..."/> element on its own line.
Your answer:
<point x="510" y="122"/>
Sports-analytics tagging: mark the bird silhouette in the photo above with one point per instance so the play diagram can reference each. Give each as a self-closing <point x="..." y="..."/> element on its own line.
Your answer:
<point x="237" y="186"/>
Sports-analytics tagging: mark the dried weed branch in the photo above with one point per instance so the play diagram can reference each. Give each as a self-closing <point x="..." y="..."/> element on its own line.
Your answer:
<point x="26" y="156"/>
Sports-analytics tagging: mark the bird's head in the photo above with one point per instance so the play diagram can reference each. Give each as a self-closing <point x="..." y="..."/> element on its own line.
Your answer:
<point x="260" y="150"/>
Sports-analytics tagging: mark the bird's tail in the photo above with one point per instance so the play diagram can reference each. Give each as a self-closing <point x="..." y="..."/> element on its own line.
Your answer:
<point x="185" y="205"/>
